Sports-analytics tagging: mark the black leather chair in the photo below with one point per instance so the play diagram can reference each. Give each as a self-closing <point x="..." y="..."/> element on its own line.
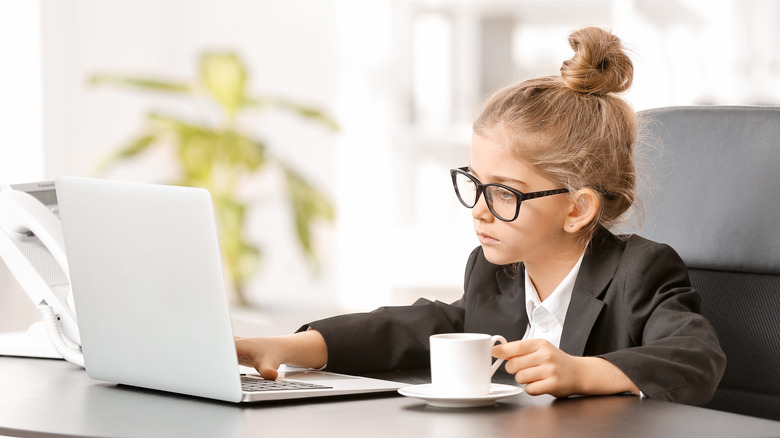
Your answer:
<point x="714" y="196"/>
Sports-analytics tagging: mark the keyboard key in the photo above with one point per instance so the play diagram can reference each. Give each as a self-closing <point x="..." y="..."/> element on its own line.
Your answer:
<point x="252" y="384"/>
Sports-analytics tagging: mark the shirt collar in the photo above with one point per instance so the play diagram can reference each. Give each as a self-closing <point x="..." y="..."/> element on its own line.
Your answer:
<point x="558" y="302"/>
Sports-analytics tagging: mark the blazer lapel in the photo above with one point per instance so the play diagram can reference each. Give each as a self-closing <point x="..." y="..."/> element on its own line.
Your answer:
<point x="513" y="293"/>
<point x="596" y="272"/>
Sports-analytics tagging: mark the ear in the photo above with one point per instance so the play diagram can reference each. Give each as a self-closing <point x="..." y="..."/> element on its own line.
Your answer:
<point x="582" y="210"/>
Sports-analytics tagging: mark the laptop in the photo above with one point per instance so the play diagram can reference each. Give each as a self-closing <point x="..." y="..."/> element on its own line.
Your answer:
<point x="151" y="303"/>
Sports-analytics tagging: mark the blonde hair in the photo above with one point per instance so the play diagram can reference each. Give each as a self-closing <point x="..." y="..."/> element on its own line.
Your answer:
<point x="573" y="128"/>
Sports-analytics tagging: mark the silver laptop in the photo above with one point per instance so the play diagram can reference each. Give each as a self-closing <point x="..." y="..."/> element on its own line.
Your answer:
<point x="150" y="296"/>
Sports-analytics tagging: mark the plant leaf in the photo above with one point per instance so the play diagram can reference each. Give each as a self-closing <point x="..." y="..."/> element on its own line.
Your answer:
<point x="239" y="151"/>
<point x="242" y="258"/>
<point x="224" y="76"/>
<point x="308" y="204"/>
<point x="135" y="147"/>
<point x="305" y="111"/>
<point x="216" y="157"/>
<point x="149" y="84"/>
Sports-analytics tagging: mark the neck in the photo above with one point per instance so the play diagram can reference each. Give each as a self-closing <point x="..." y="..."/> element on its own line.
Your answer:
<point x="548" y="275"/>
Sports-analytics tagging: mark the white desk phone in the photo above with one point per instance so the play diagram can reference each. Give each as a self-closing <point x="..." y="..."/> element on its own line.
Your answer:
<point x="32" y="246"/>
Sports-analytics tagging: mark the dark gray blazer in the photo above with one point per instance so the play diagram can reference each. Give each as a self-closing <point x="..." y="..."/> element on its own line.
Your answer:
<point x="632" y="304"/>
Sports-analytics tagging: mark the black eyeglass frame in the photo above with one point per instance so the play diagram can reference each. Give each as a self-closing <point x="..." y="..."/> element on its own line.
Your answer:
<point x="519" y="196"/>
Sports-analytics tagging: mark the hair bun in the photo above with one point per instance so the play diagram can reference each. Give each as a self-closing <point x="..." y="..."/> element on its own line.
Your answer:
<point x="599" y="65"/>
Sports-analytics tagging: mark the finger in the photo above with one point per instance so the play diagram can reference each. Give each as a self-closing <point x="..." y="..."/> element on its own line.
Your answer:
<point x="516" y="364"/>
<point x="528" y="374"/>
<point x="516" y="348"/>
<point x="549" y="385"/>
<point x="245" y="361"/>
<point x="242" y="347"/>
<point x="266" y="369"/>
<point x="538" y="387"/>
<point x="505" y="351"/>
<point x="247" y="356"/>
<point x="543" y="357"/>
<point x="269" y="373"/>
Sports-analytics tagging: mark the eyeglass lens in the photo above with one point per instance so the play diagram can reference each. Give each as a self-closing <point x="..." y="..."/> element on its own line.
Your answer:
<point x="501" y="202"/>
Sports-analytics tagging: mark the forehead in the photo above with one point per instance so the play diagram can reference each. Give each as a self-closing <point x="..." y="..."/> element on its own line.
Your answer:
<point x="494" y="160"/>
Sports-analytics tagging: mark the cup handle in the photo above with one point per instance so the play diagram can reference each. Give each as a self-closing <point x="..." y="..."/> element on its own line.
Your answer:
<point x="497" y="363"/>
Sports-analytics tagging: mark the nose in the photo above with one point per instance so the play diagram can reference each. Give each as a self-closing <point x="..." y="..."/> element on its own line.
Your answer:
<point x="480" y="211"/>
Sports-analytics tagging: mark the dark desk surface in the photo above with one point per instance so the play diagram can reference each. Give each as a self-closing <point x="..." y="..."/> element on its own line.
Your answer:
<point x="44" y="398"/>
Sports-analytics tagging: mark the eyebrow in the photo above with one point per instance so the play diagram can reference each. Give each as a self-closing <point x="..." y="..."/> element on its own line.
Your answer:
<point x="500" y="179"/>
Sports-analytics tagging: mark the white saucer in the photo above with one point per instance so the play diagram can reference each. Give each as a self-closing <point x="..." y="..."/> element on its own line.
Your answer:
<point x="425" y="392"/>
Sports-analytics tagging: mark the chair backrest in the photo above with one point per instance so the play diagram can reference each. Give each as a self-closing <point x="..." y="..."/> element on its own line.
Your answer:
<point x="714" y="196"/>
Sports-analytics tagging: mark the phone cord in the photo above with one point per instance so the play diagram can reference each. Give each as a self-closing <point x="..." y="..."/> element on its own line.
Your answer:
<point x="53" y="330"/>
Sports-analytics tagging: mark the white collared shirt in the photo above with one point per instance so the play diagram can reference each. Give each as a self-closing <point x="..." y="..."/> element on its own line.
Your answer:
<point x="545" y="318"/>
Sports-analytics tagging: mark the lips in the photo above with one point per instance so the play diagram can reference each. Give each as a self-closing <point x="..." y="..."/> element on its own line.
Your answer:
<point x="486" y="239"/>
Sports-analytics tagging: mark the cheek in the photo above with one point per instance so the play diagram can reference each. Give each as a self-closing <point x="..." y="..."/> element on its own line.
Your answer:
<point x="515" y="239"/>
<point x="537" y="225"/>
<point x="542" y="215"/>
<point x="531" y="223"/>
<point x="532" y="227"/>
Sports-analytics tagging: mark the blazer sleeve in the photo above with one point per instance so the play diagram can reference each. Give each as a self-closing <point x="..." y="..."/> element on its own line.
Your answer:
<point x="389" y="338"/>
<point x="676" y="355"/>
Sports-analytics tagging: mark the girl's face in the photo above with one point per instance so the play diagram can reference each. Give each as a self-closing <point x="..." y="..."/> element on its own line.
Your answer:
<point x="538" y="234"/>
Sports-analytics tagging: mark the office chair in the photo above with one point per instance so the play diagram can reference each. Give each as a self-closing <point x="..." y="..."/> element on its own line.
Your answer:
<point x="714" y="196"/>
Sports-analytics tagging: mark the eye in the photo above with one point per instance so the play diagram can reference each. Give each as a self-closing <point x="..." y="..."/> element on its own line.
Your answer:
<point x="501" y="194"/>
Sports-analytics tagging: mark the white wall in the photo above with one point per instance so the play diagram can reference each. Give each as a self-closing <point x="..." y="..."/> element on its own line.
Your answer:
<point x="347" y="57"/>
<point x="290" y="49"/>
<point x="21" y="143"/>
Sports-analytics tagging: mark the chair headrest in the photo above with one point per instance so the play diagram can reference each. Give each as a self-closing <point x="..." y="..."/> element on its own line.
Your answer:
<point x="714" y="191"/>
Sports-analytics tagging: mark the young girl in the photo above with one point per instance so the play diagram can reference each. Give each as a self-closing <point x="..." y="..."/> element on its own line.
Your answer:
<point x="585" y="311"/>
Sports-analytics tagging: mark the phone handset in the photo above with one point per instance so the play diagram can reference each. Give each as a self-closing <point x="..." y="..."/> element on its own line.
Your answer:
<point x="24" y="219"/>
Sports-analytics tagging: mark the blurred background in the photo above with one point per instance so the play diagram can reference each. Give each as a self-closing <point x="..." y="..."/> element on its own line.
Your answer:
<point x="401" y="80"/>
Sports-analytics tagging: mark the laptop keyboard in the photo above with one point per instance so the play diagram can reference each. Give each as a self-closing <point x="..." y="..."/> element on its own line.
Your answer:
<point x="251" y="384"/>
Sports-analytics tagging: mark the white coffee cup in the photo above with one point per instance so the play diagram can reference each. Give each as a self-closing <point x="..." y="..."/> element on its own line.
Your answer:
<point x="461" y="364"/>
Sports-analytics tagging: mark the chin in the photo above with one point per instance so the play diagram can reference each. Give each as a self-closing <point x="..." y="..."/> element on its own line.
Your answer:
<point x="497" y="257"/>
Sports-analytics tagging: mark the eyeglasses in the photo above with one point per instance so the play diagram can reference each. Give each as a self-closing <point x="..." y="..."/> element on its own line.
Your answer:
<point x="504" y="202"/>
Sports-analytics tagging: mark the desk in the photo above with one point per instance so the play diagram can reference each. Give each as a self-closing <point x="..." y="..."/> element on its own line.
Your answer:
<point x="45" y="397"/>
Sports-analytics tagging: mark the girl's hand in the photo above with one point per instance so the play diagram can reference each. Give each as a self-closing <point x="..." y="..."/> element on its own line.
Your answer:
<point x="305" y="349"/>
<point x="545" y="369"/>
<point x="542" y="367"/>
<point x="260" y="354"/>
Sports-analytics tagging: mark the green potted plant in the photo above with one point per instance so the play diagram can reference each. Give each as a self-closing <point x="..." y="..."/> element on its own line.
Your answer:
<point x="217" y="156"/>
